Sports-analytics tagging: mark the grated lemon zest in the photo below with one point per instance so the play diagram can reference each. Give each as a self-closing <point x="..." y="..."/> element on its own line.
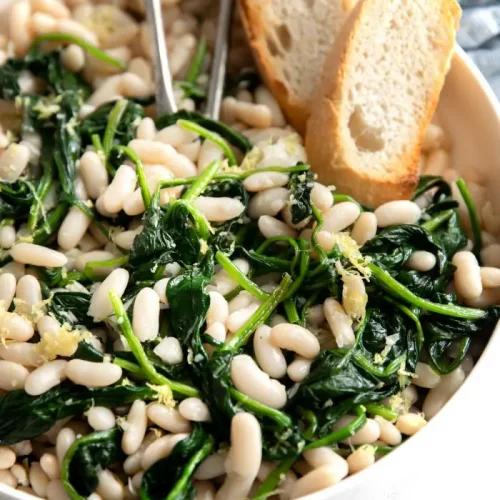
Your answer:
<point x="62" y="342"/>
<point x="350" y="250"/>
<point x="164" y="395"/>
<point x="31" y="313"/>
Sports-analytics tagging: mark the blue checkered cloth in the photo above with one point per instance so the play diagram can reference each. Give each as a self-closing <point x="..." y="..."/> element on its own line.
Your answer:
<point x="479" y="35"/>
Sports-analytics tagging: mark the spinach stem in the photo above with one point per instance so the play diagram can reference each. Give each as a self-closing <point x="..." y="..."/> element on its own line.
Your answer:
<point x="439" y="220"/>
<point x="310" y="417"/>
<point x="91" y="49"/>
<point x="149" y="370"/>
<point x="381" y="410"/>
<point x="96" y="142"/>
<point x="202" y="181"/>
<point x="259" y="317"/>
<point x="344" y="433"/>
<point x="202" y="225"/>
<point x="396" y="289"/>
<point x="474" y="218"/>
<point x="242" y="280"/>
<point x="279" y="417"/>
<point x="139" y="170"/>
<point x="88" y="270"/>
<point x="209" y="136"/>
<point x="272" y="481"/>
<point x="114" y="119"/>
<point x="196" y="66"/>
<point x="128" y="365"/>
<point x="39" y="194"/>
<point x="378" y="371"/>
<point x="291" y="311"/>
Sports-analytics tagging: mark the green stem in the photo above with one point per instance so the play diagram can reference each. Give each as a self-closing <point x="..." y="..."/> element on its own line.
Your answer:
<point x="304" y="256"/>
<point x="209" y="136"/>
<point x="381" y="410"/>
<point x="139" y="170"/>
<point x="91" y="49"/>
<point x="279" y="417"/>
<point x="271" y="483"/>
<point x="344" y="433"/>
<point x="40" y="193"/>
<point x="310" y="417"/>
<point x="114" y="119"/>
<point x="202" y="181"/>
<point x="242" y="280"/>
<point x="133" y="342"/>
<point x="202" y="225"/>
<point x="291" y="311"/>
<point x="474" y="218"/>
<point x="396" y="289"/>
<point x="88" y="270"/>
<point x="96" y="142"/>
<point x="439" y="220"/>
<point x="196" y="66"/>
<point x="259" y="317"/>
<point x="339" y="198"/>
<point x="128" y="366"/>
<point x="378" y="371"/>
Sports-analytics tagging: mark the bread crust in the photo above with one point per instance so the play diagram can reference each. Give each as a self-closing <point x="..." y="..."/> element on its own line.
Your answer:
<point x="327" y="148"/>
<point x="256" y="26"/>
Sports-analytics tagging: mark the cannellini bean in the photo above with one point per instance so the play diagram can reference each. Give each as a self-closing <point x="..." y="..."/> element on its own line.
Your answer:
<point x="271" y="227"/>
<point x="168" y="418"/>
<point x="64" y="440"/>
<point x="101" y="418"/>
<point x="125" y="239"/>
<point x="74" y="226"/>
<point x="217" y="331"/>
<point x="12" y="376"/>
<point x="135" y="429"/>
<point x="218" y="310"/>
<point x="319" y="457"/>
<point x="132" y="85"/>
<point x="439" y="396"/>
<point x="209" y="152"/>
<point x="100" y="304"/>
<point x="245" y="454"/>
<point x="250" y="380"/>
<point x="365" y="228"/>
<point x="295" y="338"/>
<point x="491" y="255"/>
<point x="175" y="136"/>
<point x="438" y="162"/>
<point x="268" y="202"/>
<point x="223" y="283"/>
<point x="489" y="297"/>
<point x="490" y="277"/>
<point x="7" y="458"/>
<point x="7" y="289"/>
<point x="159" y="449"/>
<point x="161" y="289"/>
<point x="37" y="255"/>
<point x="190" y="150"/>
<point x="235" y="486"/>
<point x="52" y="8"/>
<point x="238" y="318"/>
<point x="341" y="216"/>
<point x="107" y="91"/>
<point x="315" y="315"/>
<point x="7" y="478"/>
<point x="254" y="115"/>
<point x="95" y="256"/>
<point x="242" y="300"/>
<point x="121" y="187"/>
<point x="316" y="480"/>
<point x="360" y="459"/>
<point x="109" y="486"/>
<point x="7" y="236"/>
<point x="38" y="480"/>
<point x="219" y="209"/>
<point x="146" y="315"/>
<point x="146" y="129"/>
<point x="28" y="290"/>
<point x="421" y="261"/>
<point x="42" y="24"/>
<point x="169" y="350"/>
<point x="388" y="432"/>
<point x="155" y="152"/>
<point x="13" y="161"/>
<point x="322" y="197"/>
<point x="354" y="296"/>
<point x="213" y="466"/>
<point x="269" y="357"/>
<point x="410" y="423"/>
<point x="94" y="174"/>
<point x="20" y="473"/>
<point x="15" y="327"/>
<point x="426" y="376"/>
<point x="19" y="27"/>
<point x="24" y="353"/>
<point x="45" y="377"/>
<point x="264" y="96"/>
<point x="340" y="323"/>
<point x="299" y="369"/>
<point x="467" y="277"/>
<point x="397" y="212"/>
<point x="434" y="138"/>
<point x="73" y="58"/>
<point x="92" y="374"/>
<point x="56" y="491"/>
<point x="15" y="268"/>
<point x="70" y="27"/>
<point x="195" y="410"/>
<point x="261" y="181"/>
<point x="368" y="434"/>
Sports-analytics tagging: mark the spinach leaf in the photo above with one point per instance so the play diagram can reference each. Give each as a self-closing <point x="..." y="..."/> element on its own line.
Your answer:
<point x="300" y="186"/>
<point x="71" y="308"/>
<point x="88" y="456"/>
<point x="15" y="200"/>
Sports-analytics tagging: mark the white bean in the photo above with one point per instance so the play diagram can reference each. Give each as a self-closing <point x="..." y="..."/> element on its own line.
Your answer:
<point x="92" y="374"/>
<point x="175" y="136"/>
<point x="491" y="255"/>
<point x="261" y="181"/>
<point x="360" y="459"/>
<point x="168" y="418"/>
<point x="238" y="318"/>
<point x="45" y="377"/>
<point x="42" y="24"/>
<point x="73" y="58"/>
<point x="315" y="315"/>
<point x="94" y="174"/>
<point x="209" y="152"/>
<point x="12" y="376"/>
<point x="252" y="381"/>
<point x="354" y="296"/>
<point x="322" y="197"/>
<point x="467" y="277"/>
<point x="161" y="448"/>
<point x="74" y="226"/>
<point x="299" y="368"/>
<point x="70" y="27"/>
<point x="365" y="228"/>
<point x="109" y="486"/>
<point x="28" y="290"/>
<point x="121" y="187"/>
<point x="100" y="303"/>
<point x="56" y="491"/>
<point x="410" y="423"/>
<point x="421" y="261"/>
<point x="15" y="327"/>
<point x="205" y="490"/>
<point x="65" y="439"/>
<point x="319" y="457"/>
<point x="388" y="432"/>
<point x="161" y="289"/>
<point x="316" y="480"/>
<point x="195" y="410"/>
<point x="7" y="289"/>
<point x="341" y="216"/>
<point x="101" y="418"/>
<point x="132" y="85"/>
<point x="242" y="300"/>
<point x="219" y="209"/>
<point x="213" y="466"/>
<point x="490" y="277"/>
<point x="368" y="434"/>
<point x="438" y="162"/>
<point x="190" y="150"/>
<point x="397" y="212"/>
<point x="426" y="376"/>
<point x="340" y="323"/>
<point x="264" y="96"/>
<point x="37" y="255"/>
<point x="245" y="454"/>
<point x="268" y="202"/>
<point x="223" y="283"/>
<point x="234" y="486"/>
<point x="218" y="310"/>
<point x="146" y="129"/>
<point x="269" y="357"/>
<point x="38" y="480"/>
<point x="7" y="458"/>
<point x="254" y="115"/>
<point x="169" y="350"/>
<point x="50" y="465"/>
<point x="439" y="396"/>
<point x="20" y="473"/>
<point x="53" y="8"/>
<point x="295" y="338"/>
<point x="19" y="27"/>
<point x="146" y="315"/>
<point x="7" y="478"/>
<point x="135" y="428"/>
<point x="24" y="353"/>
<point x="95" y="256"/>
<point x="434" y="138"/>
<point x="7" y="236"/>
<point x="271" y="227"/>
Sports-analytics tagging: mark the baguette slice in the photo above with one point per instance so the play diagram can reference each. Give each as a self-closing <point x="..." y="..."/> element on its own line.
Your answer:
<point x="380" y="87"/>
<point x="290" y="40"/>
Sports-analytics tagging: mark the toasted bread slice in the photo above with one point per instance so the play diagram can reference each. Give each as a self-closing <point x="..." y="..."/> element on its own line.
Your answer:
<point x="380" y="87"/>
<point x="290" y="40"/>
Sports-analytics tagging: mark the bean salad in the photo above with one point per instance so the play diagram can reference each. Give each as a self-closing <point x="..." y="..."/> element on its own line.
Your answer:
<point x="185" y="312"/>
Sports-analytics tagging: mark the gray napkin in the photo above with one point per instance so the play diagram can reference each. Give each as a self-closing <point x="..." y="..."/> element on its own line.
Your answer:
<point x="479" y="35"/>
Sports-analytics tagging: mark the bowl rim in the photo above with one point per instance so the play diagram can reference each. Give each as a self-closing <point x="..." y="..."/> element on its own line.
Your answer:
<point x="350" y="483"/>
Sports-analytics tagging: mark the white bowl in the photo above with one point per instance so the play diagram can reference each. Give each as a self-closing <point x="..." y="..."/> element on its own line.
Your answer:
<point x="451" y="455"/>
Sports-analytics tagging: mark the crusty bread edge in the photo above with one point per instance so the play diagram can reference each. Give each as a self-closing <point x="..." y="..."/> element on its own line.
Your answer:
<point x="324" y="142"/>
<point x="296" y="110"/>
